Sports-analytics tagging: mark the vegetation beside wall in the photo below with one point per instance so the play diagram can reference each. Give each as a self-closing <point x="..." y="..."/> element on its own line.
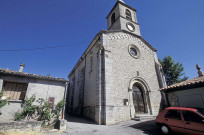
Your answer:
<point x="3" y="101"/>
<point x="42" y="112"/>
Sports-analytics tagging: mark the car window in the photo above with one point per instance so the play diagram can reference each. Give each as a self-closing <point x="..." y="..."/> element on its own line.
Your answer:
<point x="173" y="114"/>
<point x="192" y="117"/>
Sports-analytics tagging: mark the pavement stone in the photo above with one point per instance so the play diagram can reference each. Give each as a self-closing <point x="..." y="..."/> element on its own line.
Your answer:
<point x="80" y="126"/>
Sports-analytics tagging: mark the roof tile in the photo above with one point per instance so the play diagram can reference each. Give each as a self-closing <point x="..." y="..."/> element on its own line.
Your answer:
<point x="12" y="72"/>
<point x="186" y="83"/>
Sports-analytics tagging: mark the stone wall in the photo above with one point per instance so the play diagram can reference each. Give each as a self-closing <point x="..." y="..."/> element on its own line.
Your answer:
<point x="89" y="97"/>
<point x="8" y="111"/>
<point x="89" y="112"/>
<point x="121" y="113"/>
<point x="108" y="85"/>
<point x="121" y="68"/>
<point x="20" y="126"/>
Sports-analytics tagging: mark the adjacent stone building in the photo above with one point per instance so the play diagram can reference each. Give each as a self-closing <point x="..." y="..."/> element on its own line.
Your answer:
<point x="18" y="85"/>
<point x="118" y="77"/>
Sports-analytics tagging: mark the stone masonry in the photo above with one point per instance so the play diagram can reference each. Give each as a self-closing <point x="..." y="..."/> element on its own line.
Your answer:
<point x="109" y="96"/>
<point x="20" y="126"/>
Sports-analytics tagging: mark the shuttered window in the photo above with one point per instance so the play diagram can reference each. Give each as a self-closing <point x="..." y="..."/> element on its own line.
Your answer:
<point x="15" y="91"/>
<point x="51" y="101"/>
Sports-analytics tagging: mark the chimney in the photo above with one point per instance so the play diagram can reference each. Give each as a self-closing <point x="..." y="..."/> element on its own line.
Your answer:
<point x="21" y="67"/>
<point x="200" y="72"/>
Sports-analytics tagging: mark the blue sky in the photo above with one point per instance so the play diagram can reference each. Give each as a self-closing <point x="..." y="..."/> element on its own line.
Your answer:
<point x="173" y="27"/>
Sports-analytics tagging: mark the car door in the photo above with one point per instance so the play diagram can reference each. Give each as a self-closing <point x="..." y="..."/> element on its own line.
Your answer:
<point x="174" y="121"/>
<point x="193" y="123"/>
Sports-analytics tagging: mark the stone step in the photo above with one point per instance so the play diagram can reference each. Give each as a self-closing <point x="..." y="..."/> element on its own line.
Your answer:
<point x="144" y="117"/>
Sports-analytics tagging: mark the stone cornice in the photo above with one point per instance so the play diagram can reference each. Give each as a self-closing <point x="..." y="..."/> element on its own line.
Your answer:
<point x="138" y="39"/>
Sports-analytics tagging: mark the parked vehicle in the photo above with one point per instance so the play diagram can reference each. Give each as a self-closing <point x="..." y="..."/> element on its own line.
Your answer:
<point x="188" y="121"/>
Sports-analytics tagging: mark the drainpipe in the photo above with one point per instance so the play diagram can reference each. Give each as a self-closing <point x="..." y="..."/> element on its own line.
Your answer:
<point x="65" y="93"/>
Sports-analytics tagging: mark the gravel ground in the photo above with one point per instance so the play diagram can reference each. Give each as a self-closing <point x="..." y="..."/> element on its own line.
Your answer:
<point x="79" y="126"/>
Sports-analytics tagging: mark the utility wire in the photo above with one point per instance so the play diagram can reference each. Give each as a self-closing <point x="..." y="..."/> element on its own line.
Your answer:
<point x="40" y="48"/>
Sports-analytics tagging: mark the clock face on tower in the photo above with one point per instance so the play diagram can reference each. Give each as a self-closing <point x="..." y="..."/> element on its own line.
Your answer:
<point x="130" y="27"/>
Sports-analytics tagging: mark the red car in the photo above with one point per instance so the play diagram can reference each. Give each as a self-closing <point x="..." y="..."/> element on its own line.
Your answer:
<point x="188" y="121"/>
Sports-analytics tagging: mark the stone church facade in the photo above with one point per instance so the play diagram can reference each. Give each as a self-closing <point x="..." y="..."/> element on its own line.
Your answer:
<point x="118" y="77"/>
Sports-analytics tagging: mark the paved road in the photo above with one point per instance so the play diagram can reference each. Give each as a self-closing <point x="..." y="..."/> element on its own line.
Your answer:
<point x="78" y="126"/>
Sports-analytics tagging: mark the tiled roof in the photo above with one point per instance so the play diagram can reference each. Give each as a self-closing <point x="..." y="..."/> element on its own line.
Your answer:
<point x="190" y="82"/>
<point x="16" y="73"/>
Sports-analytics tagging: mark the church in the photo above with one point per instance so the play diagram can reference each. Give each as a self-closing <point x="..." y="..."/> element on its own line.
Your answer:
<point x="118" y="77"/>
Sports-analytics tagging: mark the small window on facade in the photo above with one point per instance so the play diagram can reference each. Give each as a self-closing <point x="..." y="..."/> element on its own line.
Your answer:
<point x="128" y="14"/>
<point x="134" y="51"/>
<point x="51" y="101"/>
<point x="91" y="63"/>
<point x="113" y="19"/>
<point x="173" y="114"/>
<point x="138" y="73"/>
<point x="15" y="91"/>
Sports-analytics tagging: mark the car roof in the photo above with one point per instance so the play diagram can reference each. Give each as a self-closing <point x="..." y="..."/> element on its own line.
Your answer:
<point x="181" y="108"/>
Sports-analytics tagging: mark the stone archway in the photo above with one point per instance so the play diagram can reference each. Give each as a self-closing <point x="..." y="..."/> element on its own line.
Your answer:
<point x="139" y="97"/>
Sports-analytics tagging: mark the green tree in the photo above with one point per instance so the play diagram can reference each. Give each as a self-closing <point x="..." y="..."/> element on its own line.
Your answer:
<point x="173" y="71"/>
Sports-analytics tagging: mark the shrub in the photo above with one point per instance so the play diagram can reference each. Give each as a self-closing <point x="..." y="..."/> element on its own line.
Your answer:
<point x="42" y="112"/>
<point x="4" y="101"/>
<point x="28" y="109"/>
<point x="19" y="116"/>
<point x="58" y="109"/>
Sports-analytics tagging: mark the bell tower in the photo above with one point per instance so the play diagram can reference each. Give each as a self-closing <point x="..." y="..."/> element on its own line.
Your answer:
<point x="123" y="17"/>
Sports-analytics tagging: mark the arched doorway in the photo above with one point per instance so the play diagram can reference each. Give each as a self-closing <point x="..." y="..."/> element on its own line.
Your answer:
<point x="138" y="99"/>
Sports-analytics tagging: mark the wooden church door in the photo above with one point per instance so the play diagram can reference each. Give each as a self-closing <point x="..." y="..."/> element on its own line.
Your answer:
<point x="138" y="99"/>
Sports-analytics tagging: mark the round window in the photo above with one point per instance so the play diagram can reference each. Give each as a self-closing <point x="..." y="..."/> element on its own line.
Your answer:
<point x="134" y="51"/>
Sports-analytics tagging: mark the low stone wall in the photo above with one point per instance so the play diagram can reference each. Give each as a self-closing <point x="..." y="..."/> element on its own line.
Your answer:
<point x="89" y="112"/>
<point x="20" y="126"/>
